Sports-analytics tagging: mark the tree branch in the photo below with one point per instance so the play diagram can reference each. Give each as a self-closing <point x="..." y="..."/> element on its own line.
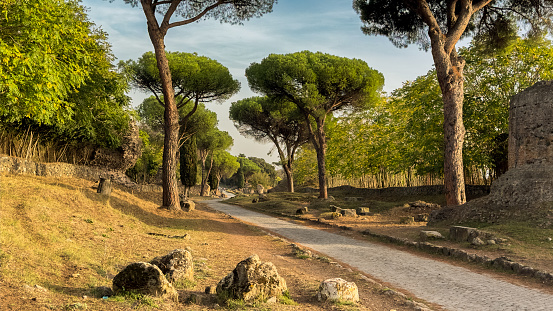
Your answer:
<point x="197" y="17"/>
<point x="167" y="17"/>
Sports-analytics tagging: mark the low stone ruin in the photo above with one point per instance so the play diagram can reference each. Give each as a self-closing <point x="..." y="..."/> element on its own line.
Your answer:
<point x="252" y="280"/>
<point x="338" y="290"/>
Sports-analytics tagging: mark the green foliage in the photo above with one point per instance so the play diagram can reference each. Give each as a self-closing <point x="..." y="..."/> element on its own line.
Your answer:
<point x="267" y="169"/>
<point x="248" y="167"/>
<point x="46" y="47"/>
<point x="271" y="119"/>
<point x="148" y="164"/>
<point x="201" y="120"/>
<point x="195" y="78"/>
<point x="404" y="133"/>
<point x="225" y="11"/>
<point x="241" y="179"/>
<point x="317" y="83"/>
<point x="305" y="167"/>
<point x="224" y="165"/>
<point x="495" y="24"/>
<point x="57" y="79"/>
<point x="189" y="162"/>
<point x="286" y="299"/>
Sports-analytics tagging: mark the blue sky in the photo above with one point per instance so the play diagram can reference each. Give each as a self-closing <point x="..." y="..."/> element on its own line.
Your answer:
<point x="329" y="26"/>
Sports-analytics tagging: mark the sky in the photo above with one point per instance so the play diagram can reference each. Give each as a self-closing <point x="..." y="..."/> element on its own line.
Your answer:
<point x="328" y="26"/>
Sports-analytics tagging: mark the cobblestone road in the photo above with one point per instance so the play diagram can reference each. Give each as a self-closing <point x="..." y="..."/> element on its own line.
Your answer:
<point x="452" y="287"/>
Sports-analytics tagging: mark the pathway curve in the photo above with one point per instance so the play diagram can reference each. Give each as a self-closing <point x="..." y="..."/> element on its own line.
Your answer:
<point x="452" y="287"/>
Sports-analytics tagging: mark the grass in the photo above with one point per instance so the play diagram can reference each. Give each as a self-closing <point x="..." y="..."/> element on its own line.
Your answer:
<point x="59" y="234"/>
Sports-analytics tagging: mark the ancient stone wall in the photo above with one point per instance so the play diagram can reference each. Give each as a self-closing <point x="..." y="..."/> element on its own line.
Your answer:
<point x="531" y="126"/>
<point x="21" y="166"/>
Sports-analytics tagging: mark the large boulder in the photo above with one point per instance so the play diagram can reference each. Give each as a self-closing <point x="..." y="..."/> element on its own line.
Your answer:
<point x="252" y="280"/>
<point x="177" y="265"/>
<point x="143" y="278"/>
<point x="338" y="290"/>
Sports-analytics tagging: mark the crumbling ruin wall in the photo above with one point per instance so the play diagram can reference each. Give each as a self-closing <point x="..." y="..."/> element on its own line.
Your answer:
<point x="531" y="126"/>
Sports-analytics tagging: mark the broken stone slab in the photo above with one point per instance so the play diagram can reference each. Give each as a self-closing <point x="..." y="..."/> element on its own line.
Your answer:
<point x="363" y="211"/>
<point x="348" y="212"/>
<point x="177" y="265"/>
<point x="338" y="289"/>
<point x="430" y="235"/>
<point x="143" y="278"/>
<point x="252" y="280"/>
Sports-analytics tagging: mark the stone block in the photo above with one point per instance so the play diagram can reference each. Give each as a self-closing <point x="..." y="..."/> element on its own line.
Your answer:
<point x="460" y="233"/>
<point x="348" y="213"/>
<point x="363" y="211"/>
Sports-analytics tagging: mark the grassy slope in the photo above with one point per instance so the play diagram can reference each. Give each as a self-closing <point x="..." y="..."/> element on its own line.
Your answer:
<point x="62" y="235"/>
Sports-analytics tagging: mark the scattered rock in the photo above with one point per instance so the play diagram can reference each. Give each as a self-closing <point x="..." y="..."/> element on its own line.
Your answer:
<point x="177" y="265"/>
<point x="302" y="211"/>
<point x="363" y="211"/>
<point x="348" y="213"/>
<point x="338" y="290"/>
<point x="477" y="241"/>
<point x="421" y="217"/>
<point x="430" y="235"/>
<point x="252" y="280"/>
<point x="406" y="220"/>
<point x="143" y="278"/>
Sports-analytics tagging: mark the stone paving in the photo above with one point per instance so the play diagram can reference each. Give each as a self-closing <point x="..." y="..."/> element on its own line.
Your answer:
<point x="452" y="287"/>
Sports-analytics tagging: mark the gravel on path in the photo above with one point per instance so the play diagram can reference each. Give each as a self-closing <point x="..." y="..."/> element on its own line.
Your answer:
<point x="452" y="287"/>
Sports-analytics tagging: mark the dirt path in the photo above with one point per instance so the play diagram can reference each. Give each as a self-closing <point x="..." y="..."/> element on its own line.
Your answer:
<point x="452" y="287"/>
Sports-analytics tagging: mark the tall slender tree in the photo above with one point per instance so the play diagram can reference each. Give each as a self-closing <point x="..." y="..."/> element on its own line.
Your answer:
<point x="189" y="164"/>
<point x="439" y="25"/>
<point x="318" y="84"/>
<point x="263" y="118"/>
<point x="162" y="16"/>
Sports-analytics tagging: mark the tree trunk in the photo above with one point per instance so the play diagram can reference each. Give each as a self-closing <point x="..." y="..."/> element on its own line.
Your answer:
<point x="449" y="70"/>
<point x="320" y="148"/>
<point x="289" y="176"/>
<point x="171" y="116"/>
